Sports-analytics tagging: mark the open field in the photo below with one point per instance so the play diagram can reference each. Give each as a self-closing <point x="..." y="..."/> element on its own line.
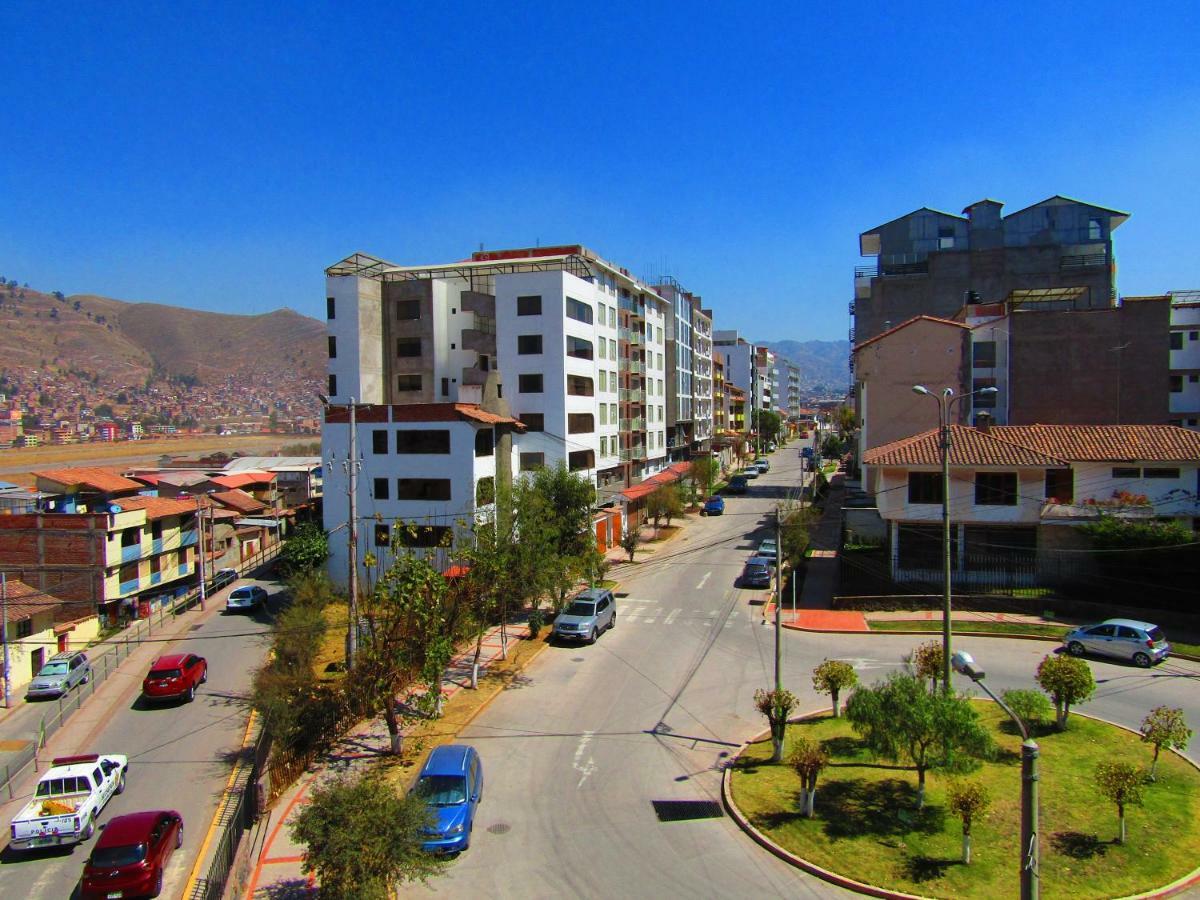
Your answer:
<point x="19" y="465"/>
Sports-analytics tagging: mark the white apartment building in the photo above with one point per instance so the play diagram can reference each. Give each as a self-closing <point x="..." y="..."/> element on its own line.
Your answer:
<point x="703" y="382"/>
<point x="689" y="369"/>
<point x="1184" y="400"/>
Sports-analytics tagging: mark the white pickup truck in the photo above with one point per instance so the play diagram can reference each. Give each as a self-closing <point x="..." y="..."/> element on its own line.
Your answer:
<point x="67" y="801"/>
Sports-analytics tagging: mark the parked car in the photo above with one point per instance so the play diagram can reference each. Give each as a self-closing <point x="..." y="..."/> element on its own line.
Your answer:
<point x="249" y="596"/>
<point x="768" y="550"/>
<point x="756" y="573"/>
<point x="175" y="676"/>
<point x="1142" y="643"/>
<point x="591" y="613"/>
<point x="751" y="471"/>
<point x="763" y="464"/>
<point x="738" y="484"/>
<point x="67" y="801"/>
<point x="806" y="452"/>
<point x="713" y="506"/>
<point x="131" y="855"/>
<point x="59" y="674"/>
<point x="451" y="784"/>
<point x="224" y="577"/>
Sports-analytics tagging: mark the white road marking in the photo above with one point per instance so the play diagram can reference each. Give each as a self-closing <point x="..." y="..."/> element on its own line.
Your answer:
<point x="671" y="616"/>
<point x="587" y="768"/>
<point x="859" y="663"/>
<point x="704" y="580"/>
<point x="632" y="615"/>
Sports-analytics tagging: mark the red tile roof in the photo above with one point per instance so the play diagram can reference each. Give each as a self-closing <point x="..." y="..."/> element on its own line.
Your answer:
<point x="156" y="507"/>
<point x="241" y="479"/>
<point x="103" y="480"/>
<point x="419" y="412"/>
<point x="1042" y="445"/>
<point x="24" y="601"/>
<point x="238" y="500"/>
<point x="905" y="324"/>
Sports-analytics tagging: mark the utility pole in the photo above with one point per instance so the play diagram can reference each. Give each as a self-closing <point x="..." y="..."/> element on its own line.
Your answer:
<point x="4" y="634"/>
<point x="200" y="546"/>
<point x="778" y="602"/>
<point x="352" y="472"/>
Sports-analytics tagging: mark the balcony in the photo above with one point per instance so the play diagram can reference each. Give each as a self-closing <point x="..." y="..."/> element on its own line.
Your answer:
<point x="155" y="577"/>
<point x="635" y="423"/>
<point x="1083" y="261"/>
<point x="187" y="538"/>
<point x="479" y="340"/>
<point x="128" y="587"/>
<point x="630" y="305"/>
<point x="131" y="553"/>
<point x="635" y="366"/>
<point x="474" y="375"/>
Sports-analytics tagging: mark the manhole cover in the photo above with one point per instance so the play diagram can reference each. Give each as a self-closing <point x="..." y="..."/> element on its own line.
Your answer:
<point x="499" y="828"/>
<point x="683" y="810"/>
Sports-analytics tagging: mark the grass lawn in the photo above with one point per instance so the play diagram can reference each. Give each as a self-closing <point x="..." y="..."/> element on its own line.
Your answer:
<point x="867" y="826"/>
<point x="935" y="626"/>
<point x="331" y="652"/>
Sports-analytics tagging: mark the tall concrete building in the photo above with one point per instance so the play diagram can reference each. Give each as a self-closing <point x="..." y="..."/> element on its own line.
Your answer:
<point x="689" y="371"/>
<point x="1185" y="359"/>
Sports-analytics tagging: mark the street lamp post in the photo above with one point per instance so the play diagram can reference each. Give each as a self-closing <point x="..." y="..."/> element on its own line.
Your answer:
<point x="200" y="546"/>
<point x="351" y="465"/>
<point x="944" y="401"/>
<point x="1030" y="855"/>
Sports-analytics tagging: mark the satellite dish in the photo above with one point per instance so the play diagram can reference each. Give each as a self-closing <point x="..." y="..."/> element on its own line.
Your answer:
<point x="113" y="508"/>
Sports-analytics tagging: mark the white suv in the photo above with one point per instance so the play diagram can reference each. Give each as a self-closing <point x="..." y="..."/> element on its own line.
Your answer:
<point x="587" y="616"/>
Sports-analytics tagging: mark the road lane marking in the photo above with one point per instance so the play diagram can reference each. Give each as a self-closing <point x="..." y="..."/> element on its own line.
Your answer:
<point x="671" y="616"/>
<point x="704" y="580"/>
<point x="588" y="768"/>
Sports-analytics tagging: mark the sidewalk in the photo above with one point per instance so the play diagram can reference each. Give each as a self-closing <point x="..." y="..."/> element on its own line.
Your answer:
<point x="277" y="867"/>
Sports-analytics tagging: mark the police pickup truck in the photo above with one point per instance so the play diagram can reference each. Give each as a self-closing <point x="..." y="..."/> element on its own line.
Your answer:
<point x="67" y="801"/>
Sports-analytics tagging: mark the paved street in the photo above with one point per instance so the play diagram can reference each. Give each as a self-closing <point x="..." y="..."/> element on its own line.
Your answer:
<point x="177" y="752"/>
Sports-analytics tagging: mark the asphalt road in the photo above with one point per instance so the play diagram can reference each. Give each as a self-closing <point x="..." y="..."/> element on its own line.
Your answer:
<point x="577" y="753"/>
<point x="178" y="753"/>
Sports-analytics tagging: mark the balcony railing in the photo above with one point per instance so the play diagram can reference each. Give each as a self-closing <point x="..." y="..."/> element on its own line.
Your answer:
<point x="635" y="423"/>
<point x="636" y="366"/>
<point x="131" y="553"/>
<point x="870" y="271"/>
<point x="1083" y="260"/>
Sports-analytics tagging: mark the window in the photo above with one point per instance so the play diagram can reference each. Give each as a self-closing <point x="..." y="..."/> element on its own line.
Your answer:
<point x="603" y="413"/>
<point x="603" y="379"/>
<point x="1159" y="473"/>
<point x="578" y="311"/>
<point x="422" y="488"/>
<point x="383" y="535"/>
<point x="1126" y="472"/>
<point x="580" y="423"/>
<point x="984" y="354"/>
<point x="1192" y="379"/>
<point x="612" y="320"/>
<point x="379" y="441"/>
<point x="983" y="401"/>
<point x="424" y="536"/>
<point x="332" y="386"/>
<point x="603" y="348"/>
<point x="131" y="537"/>
<point x="330" y="308"/>
<point x="485" y="491"/>
<point x="408" y="310"/>
<point x="924" y="487"/>
<point x="1176" y="340"/>
<point x="995" y="488"/>
<point x="534" y="421"/>
<point x="603" y="445"/>
<point x="423" y="441"/>
<point x="579" y="386"/>
<point x="485" y="442"/>
<point x="531" y="461"/>
<point x="332" y="346"/>
<point x="445" y="387"/>
<point x="612" y="414"/>
<point x="1095" y="230"/>
<point x="408" y="382"/>
<point x="529" y="344"/>
<point x="1060" y="485"/>
<point x="579" y="348"/>
<point x="581" y="459"/>
<point x="529" y="306"/>
<point x="408" y="347"/>
<point x="381" y="491"/>
<point x="529" y="384"/>
<point x="612" y="349"/>
<point x="945" y="237"/>
<point x="1176" y="384"/>
<point x="24" y="628"/>
<point x="1194" y="335"/>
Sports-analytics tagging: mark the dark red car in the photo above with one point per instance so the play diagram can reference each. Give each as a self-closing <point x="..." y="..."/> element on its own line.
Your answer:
<point x="131" y="854"/>
<point x="175" y="675"/>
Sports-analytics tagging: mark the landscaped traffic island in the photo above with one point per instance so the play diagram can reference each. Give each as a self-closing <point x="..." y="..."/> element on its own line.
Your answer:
<point x="867" y="826"/>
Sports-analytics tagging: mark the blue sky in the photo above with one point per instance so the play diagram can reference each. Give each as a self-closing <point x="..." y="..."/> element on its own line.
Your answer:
<point x="221" y="155"/>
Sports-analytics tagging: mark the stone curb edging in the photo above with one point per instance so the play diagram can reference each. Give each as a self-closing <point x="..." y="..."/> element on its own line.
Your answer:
<point x="848" y="883"/>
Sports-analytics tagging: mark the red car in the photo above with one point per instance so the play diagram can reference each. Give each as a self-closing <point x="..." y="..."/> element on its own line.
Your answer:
<point x="131" y="854"/>
<point x="175" y="675"/>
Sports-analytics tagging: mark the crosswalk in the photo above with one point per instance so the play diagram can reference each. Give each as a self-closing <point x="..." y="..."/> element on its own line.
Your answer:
<point x="651" y="612"/>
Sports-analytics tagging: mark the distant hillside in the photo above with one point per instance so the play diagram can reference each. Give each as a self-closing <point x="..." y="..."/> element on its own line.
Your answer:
<point x="822" y="364"/>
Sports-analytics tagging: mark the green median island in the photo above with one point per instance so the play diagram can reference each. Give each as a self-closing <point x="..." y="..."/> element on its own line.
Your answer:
<point x="867" y="824"/>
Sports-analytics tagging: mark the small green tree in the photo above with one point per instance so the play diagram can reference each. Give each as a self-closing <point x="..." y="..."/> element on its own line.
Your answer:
<point x="808" y="759"/>
<point x="703" y="472"/>
<point x="832" y="677"/>
<point x="306" y="550"/>
<point x="1123" y="784"/>
<point x="1164" y="727"/>
<point x="664" y="502"/>
<point x="1068" y="681"/>
<point x="968" y="800"/>
<point x="630" y="540"/>
<point x="362" y="839"/>
<point x="777" y="706"/>
<point x="926" y="663"/>
<point x="1030" y="707"/>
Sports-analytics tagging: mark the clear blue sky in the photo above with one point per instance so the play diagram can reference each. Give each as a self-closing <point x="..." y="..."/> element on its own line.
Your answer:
<point x="220" y="155"/>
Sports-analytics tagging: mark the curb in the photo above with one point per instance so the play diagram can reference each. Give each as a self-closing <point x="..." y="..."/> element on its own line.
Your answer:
<point x="843" y="881"/>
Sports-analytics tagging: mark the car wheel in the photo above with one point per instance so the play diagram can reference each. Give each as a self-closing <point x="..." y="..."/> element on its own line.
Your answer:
<point x="1142" y="660"/>
<point x="612" y="623"/>
<point x="1075" y="648"/>
<point x="204" y="676"/>
<point x="90" y="828"/>
<point x="121" y="784"/>
<point x="179" y="837"/>
<point x="157" y="885"/>
<point x="592" y="637"/>
<point x="191" y="694"/>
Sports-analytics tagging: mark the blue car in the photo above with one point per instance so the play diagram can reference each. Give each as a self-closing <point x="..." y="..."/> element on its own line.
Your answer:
<point x="451" y="784"/>
<point x="714" y="506"/>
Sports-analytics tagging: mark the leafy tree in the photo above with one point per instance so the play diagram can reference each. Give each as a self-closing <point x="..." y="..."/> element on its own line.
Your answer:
<point x="832" y="677"/>
<point x="1068" y="681"/>
<point x="900" y="719"/>
<point x="845" y="419"/>
<point x="305" y="550"/>
<point x="1030" y="707"/>
<point x="926" y="662"/>
<point x="767" y="424"/>
<point x="808" y="759"/>
<point x="795" y="526"/>
<point x="1164" y="727"/>
<point x="777" y="706"/>
<point x="630" y="540"/>
<point x="1123" y="784"/>
<point x="362" y="839"/>
<point x="663" y="502"/>
<point x="704" y="471"/>
<point x="968" y="800"/>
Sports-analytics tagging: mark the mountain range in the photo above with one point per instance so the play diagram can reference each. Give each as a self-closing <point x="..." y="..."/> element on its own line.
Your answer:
<point x="824" y="365"/>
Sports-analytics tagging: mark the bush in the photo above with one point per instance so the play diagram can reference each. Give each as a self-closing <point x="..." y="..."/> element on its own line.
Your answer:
<point x="537" y="619"/>
<point x="1031" y="707"/>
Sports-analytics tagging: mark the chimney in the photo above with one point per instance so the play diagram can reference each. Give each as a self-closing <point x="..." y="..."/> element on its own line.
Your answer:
<point x="983" y="422"/>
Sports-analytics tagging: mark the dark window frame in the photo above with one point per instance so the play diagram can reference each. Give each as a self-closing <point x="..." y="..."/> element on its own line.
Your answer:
<point x="1126" y="472"/>
<point x="404" y="309"/>
<point x="983" y="360"/>
<point x="529" y="344"/>
<point x="405" y="345"/>
<point x="922" y="485"/>
<point x="423" y="441"/>
<point x="1160" y="472"/>
<point x="381" y="489"/>
<point x="529" y="461"/>
<point x="997" y="489"/>
<point x="331" y="340"/>
<point x="529" y="305"/>
<point x="330" y="307"/>
<point x="533" y="421"/>
<point x="438" y="490"/>
<point x="579" y="311"/>
<point x="379" y="441"/>
<point x="527" y="380"/>
<point x="404" y="381"/>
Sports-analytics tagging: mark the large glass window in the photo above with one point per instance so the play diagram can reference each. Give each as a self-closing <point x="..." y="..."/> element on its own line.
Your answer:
<point x="579" y="348"/>
<point x="534" y="421"/>
<point x="529" y="344"/>
<point x="408" y="347"/>
<point x="408" y="383"/>
<point x="379" y="441"/>
<point x="984" y="354"/>
<point x="580" y="423"/>
<point x="578" y="311"/>
<point x="423" y="441"/>
<point x="529" y="306"/>
<point x="529" y="383"/>
<point x="995" y="488"/>
<point x="578" y="386"/>
<point x="422" y="488"/>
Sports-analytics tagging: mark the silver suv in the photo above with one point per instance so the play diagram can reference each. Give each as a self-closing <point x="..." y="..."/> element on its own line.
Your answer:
<point x="1141" y="642"/>
<point x="587" y="616"/>
<point x="59" y="674"/>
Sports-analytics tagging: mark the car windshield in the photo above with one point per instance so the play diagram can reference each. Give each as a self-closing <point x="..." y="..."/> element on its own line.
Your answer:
<point x="59" y="787"/>
<point x="241" y="593"/>
<point x="111" y="857"/>
<point x="1156" y="634"/>
<point x="53" y="669"/>
<point x="581" y="608"/>
<point x="442" y="790"/>
<point x="165" y="673"/>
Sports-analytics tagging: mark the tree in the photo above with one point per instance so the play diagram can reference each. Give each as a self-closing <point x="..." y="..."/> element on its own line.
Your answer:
<point x="767" y="424"/>
<point x="1068" y="681"/>
<point x="926" y="662"/>
<point x="968" y="800"/>
<point x="629" y="541"/>
<point x="1030" y="707"/>
<point x="900" y="719"/>
<point x="663" y="502"/>
<point x="1123" y="784"/>
<point x="306" y="550"/>
<point x="1164" y="727"/>
<point x="794" y="526"/>
<point x="832" y="677"/>
<point x="777" y="706"/>
<point x="808" y="759"/>
<point x="845" y="419"/>
<point x="558" y="504"/>
<point x="704" y="471"/>
<point x="362" y="838"/>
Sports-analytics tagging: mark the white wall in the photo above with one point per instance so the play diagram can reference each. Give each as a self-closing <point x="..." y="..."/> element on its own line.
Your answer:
<point x="892" y="498"/>
<point x="358" y="328"/>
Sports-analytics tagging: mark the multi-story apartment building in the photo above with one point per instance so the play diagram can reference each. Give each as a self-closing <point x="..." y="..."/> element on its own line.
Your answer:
<point x="793" y="390"/>
<point x="931" y="263"/>
<point x="689" y="371"/>
<point x="737" y="357"/>
<point x="702" y="382"/>
<point x="1185" y="359"/>
<point x="766" y="380"/>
